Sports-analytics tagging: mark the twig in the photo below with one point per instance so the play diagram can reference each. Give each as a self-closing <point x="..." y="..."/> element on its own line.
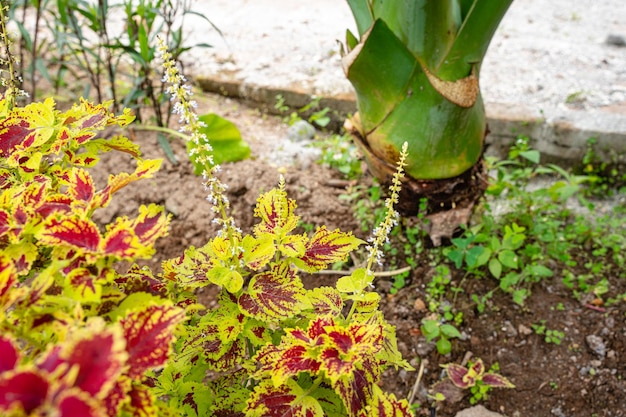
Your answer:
<point x="376" y="274"/>
<point x="420" y="373"/>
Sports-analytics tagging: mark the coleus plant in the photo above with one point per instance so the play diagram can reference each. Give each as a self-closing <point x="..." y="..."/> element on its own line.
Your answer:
<point x="75" y="340"/>
<point x="472" y="377"/>
<point x="272" y="347"/>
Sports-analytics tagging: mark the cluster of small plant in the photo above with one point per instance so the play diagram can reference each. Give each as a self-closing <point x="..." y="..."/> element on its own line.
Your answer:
<point x="523" y="234"/>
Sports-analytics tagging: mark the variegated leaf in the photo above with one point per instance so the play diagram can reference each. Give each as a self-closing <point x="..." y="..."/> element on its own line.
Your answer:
<point x="276" y="212"/>
<point x="142" y="402"/>
<point x="77" y="403"/>
<point x="81" y="187"/>
<point x="82" y="285"/>
<point x="98" y="355"/>
<point x="149" y="333"/>
<point x="117" y="395"/>
<point x="286" y="400"/>
<point x="118" y="143"/>
<point x="75" y="232"/>
<point x="145" y="169"/>
<point x="497" y="381"/>
<point x="151" y="224"/>
<point x="9" y="355"/>
<point x="326" y="247"/>
<point x="8" y="278"/>
<point x="26" y="389"/>
<point x="273" y="295"/>
<point x="287" y="360"/>
<point x="258" y="251"/>
<point x="386" y="405"/>
<point x="326" y="301"/>
<point x="293" y="246"/>
<point x="138" y="279"/>
<point x="356" y="389"/>
<point x="459" y="375"/>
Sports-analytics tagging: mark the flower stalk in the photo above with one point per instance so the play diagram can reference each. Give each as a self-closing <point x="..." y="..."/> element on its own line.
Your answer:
<point x="184" y="106"/>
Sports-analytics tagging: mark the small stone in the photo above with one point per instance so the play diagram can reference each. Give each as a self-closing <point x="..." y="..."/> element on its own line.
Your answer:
<point x="477" y="411"/>
<point x="301" y="131"/>
<point x="419" y="305"/>
<point x="509" y="329"/>
<point x="615" y="40"/>
<point x="596" y="344"/>
<point x="523" y="330"/>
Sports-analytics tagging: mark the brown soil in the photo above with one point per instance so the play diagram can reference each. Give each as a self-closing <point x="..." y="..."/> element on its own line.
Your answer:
<point x="551" y="380"/>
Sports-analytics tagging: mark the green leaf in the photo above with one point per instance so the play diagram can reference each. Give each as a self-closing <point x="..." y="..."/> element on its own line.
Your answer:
<point x="495" y="267"/>
<point x="483" y="257"/>
<point x="225" y="139"/>
<point x="165" y="145"/>
<point x="456" y="256"/>
<point x="430" y="329"/>
<point x="519" y="296"/>
<point x="508" y="258"/>
<point x="226" y="277"/>
<point x="540" y="271"/>
<point x="450" y="331"/>
<point x="355" y="282"/>
<point x="444" y="346"/>
<point x="474" y="255"/>
<point x="532" y="155"/>
<point x="509" y="280"/>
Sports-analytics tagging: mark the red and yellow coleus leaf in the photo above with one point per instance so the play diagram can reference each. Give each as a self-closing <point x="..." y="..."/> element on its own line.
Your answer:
<point x="93" y="357"/>
<point x="9" y="355"/>
<point x="8" y="279"/>
<point x="385" y="405"/>
<point x="123" y="239"/>
<point x="258" y="251"/>
<point x="356" y="388"/>
<point x="149" y="334"/>
<point x="276" y="212"/>
<point x="82" y="285"/>
<point x="78" y="403"/>
<point x="273" y="295"/>
<point x="145" y="169"/>
<point x="286" y="400"/>
<point x="24" y="390"/>
<point x="464" y="377"/>
<point x="27" y="127"/>
<point x="326" y="301"/>
<point x="496" y="381"/>
<point x="326" y="247"/>
<point x="142" y="402"/>
<point x="118" y="143"/>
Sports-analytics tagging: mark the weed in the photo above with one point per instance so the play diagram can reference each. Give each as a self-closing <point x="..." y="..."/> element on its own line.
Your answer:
<point x="339" y="153"/>
<point x="435" y="329"/>
<point x="550" y="335"/>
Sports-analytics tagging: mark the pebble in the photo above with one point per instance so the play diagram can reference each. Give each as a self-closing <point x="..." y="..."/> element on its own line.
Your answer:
<point x="477" y="411"/>
<point x="597" y="345"/>
<point x="523" y="330"/>
<point x="509" y="329"/>
<point x="301" y="131"/>
<point x="615" y="40"/>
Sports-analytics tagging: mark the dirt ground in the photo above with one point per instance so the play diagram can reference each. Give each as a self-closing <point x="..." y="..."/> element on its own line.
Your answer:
<point x="567" y="380"/>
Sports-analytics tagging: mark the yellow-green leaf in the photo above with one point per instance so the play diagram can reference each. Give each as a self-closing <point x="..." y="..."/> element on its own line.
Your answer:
<point x="355" y="282"/>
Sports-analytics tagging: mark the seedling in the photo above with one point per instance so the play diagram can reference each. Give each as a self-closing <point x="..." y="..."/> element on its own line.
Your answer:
<point x="472" y="377"/>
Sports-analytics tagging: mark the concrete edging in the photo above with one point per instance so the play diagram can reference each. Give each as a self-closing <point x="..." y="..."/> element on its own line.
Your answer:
<point x="560" y="137"/>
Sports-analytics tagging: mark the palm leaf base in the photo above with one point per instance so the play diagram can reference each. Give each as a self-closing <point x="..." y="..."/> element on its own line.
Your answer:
<point x="450" y="201"/>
